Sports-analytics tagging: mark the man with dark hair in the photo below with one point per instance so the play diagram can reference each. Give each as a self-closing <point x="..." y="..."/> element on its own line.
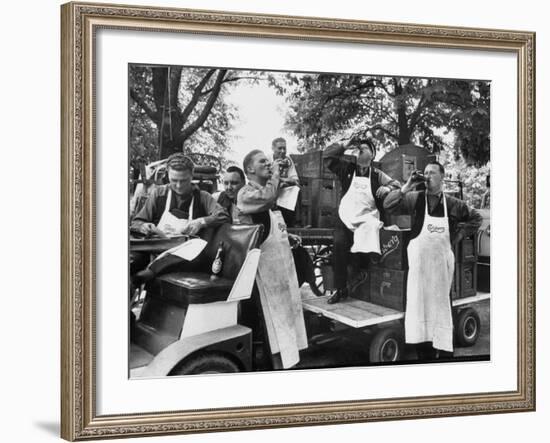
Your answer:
<point x="233" y="180"/>
<point x="288" y="176"/>
<point x="363" y="190"/>
<point x="177" y="208"/>
<point x="438" y="221"/>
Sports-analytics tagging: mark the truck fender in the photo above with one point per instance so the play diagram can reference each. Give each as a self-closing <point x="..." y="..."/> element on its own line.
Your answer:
<point x="170" y="356"/>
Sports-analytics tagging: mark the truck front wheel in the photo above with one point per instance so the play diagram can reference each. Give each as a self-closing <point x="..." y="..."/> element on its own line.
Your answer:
<point x="206" y="363"/>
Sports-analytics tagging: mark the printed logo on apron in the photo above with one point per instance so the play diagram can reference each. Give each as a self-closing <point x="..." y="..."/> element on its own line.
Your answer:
<point x="428" y="315"/>
<point x="169" y="223"/>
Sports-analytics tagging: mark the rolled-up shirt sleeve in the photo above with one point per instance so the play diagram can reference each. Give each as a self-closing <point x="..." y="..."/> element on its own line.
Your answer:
<point x="147" y="213"/>
<point x="253" y="199"/>
<point x="385" y="180"/>
<point x="396" y="200"/>
<point x="216" y="214"/>
<point x="333" y="158"/>
<point x="468" y="218"/>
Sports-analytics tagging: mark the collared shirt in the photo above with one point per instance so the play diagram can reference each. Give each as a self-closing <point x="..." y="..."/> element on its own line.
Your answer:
<point x="461" y="217"/>
<point x="204" y="206"/>
<point x="254" y="202"/>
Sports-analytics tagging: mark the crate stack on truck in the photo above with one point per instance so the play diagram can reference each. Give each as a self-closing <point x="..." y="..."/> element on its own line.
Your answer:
<point x="320" y="191"/>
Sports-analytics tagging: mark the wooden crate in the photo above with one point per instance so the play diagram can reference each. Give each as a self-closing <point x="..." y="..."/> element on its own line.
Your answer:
<point x="465" y="281"/>
<point x="388" y="287"/>
<point x="327" y="217"/>
<point x="329" y="191"/>
<point x="466" y="251"/>
<point x="393" y="248"/>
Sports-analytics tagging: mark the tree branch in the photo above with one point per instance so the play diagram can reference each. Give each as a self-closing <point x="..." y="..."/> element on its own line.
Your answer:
<point x="196" y="95"/>
<point x="143" y="105"/>
<point x="190" y="129"/>
<point x="229" y="80"/>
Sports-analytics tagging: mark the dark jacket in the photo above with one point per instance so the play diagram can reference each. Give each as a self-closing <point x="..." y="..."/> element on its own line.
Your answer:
<point x="461" y="217"/>
<point x="334" y="160"/>
<point x="204" y="206"/>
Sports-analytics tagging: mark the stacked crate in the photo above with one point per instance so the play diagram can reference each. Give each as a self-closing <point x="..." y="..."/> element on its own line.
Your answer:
<point x="320" y="191"/>
<point x="388" y="272"/>
<point x="465" y="276"/>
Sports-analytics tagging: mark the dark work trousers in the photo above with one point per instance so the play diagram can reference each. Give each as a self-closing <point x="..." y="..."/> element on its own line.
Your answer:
<point x="426" y="352"/>
<point x="341" y="257"/>
<point x="344" y="261"/>
<point x="288" y="216"/>
<point x="138" y="261"/>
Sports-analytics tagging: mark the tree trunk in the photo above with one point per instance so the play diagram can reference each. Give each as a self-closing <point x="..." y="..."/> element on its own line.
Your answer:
<point x="403" y="129"/>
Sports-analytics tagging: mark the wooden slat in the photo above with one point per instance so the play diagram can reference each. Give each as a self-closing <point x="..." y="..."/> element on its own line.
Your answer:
<point x="351" y="312"/>
<point x="359" y="313"/>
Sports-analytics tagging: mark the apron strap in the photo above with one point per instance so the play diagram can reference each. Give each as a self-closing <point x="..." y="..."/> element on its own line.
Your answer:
<point x="190" y="217"/>
<point x="168" y="201"/>
<point x="444" y="204"/>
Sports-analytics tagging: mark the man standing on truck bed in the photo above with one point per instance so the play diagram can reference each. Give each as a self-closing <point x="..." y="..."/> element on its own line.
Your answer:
<point x="363" y="190"/>
<point x="438" y="221"/>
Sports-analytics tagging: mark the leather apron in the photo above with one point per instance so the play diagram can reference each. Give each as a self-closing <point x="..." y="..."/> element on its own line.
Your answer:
<point x="280" y="294"/>
<point x="169" y="223"/>
<point x="359" y="213"/>
<point x="428" y="315"/>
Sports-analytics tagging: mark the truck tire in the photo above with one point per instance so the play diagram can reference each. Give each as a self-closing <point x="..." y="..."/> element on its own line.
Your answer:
<point x="467" y="327"/>
<point x="206" y="363"/>
<point x="386" y="346"/>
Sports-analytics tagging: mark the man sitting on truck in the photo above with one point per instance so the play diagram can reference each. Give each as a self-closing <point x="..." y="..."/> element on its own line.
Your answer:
<point x="363" y="190"/>
<point x="438" y="221"/>
<point x="233" y="180"/>
<point x="176" y="208"/>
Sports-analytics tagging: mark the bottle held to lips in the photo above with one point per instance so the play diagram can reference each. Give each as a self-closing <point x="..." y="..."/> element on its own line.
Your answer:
<point x="217" y="264"/>
<point x="418" y="176"/>
<point x="284" y="166"/>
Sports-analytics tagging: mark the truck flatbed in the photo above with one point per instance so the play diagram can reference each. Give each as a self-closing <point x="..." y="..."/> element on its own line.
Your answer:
<point x="359" y="314"/>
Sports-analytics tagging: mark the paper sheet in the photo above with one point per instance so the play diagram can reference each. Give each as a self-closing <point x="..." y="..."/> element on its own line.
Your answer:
<point x="288" y="197"/>
<point x="188" y="250"/>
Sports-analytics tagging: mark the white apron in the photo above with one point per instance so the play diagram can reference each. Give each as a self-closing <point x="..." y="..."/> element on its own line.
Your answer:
<point x="359" y="213"/>
<point x="169" y="223"/>
<point x="280" y="294"/>
<point x="428" y="316"/>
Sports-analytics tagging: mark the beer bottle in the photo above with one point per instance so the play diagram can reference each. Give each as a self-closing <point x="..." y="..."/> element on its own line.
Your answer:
<point x="217" y="264"/>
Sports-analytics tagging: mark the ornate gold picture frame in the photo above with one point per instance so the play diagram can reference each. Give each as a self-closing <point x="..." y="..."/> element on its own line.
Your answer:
<point x="79" y="390"/>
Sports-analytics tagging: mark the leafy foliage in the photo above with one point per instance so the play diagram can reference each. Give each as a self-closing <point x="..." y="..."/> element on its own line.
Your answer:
<point x="180" y="109"/>
<point x="393" y="110"/>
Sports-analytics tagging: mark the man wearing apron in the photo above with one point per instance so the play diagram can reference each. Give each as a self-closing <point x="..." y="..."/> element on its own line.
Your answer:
<point x="279" y="314"/>
<point x="173" y="209"/>
<point x="435" y="219"/>
<point x="363" y="190"/>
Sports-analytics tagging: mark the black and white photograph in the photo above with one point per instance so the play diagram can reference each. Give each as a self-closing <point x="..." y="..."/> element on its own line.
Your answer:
<point x="283" y="220"/>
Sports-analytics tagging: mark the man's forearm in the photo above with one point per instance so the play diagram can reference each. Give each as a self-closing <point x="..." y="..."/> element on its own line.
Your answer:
<point x="217" y="214"/>
<point x="253" y="200"/>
